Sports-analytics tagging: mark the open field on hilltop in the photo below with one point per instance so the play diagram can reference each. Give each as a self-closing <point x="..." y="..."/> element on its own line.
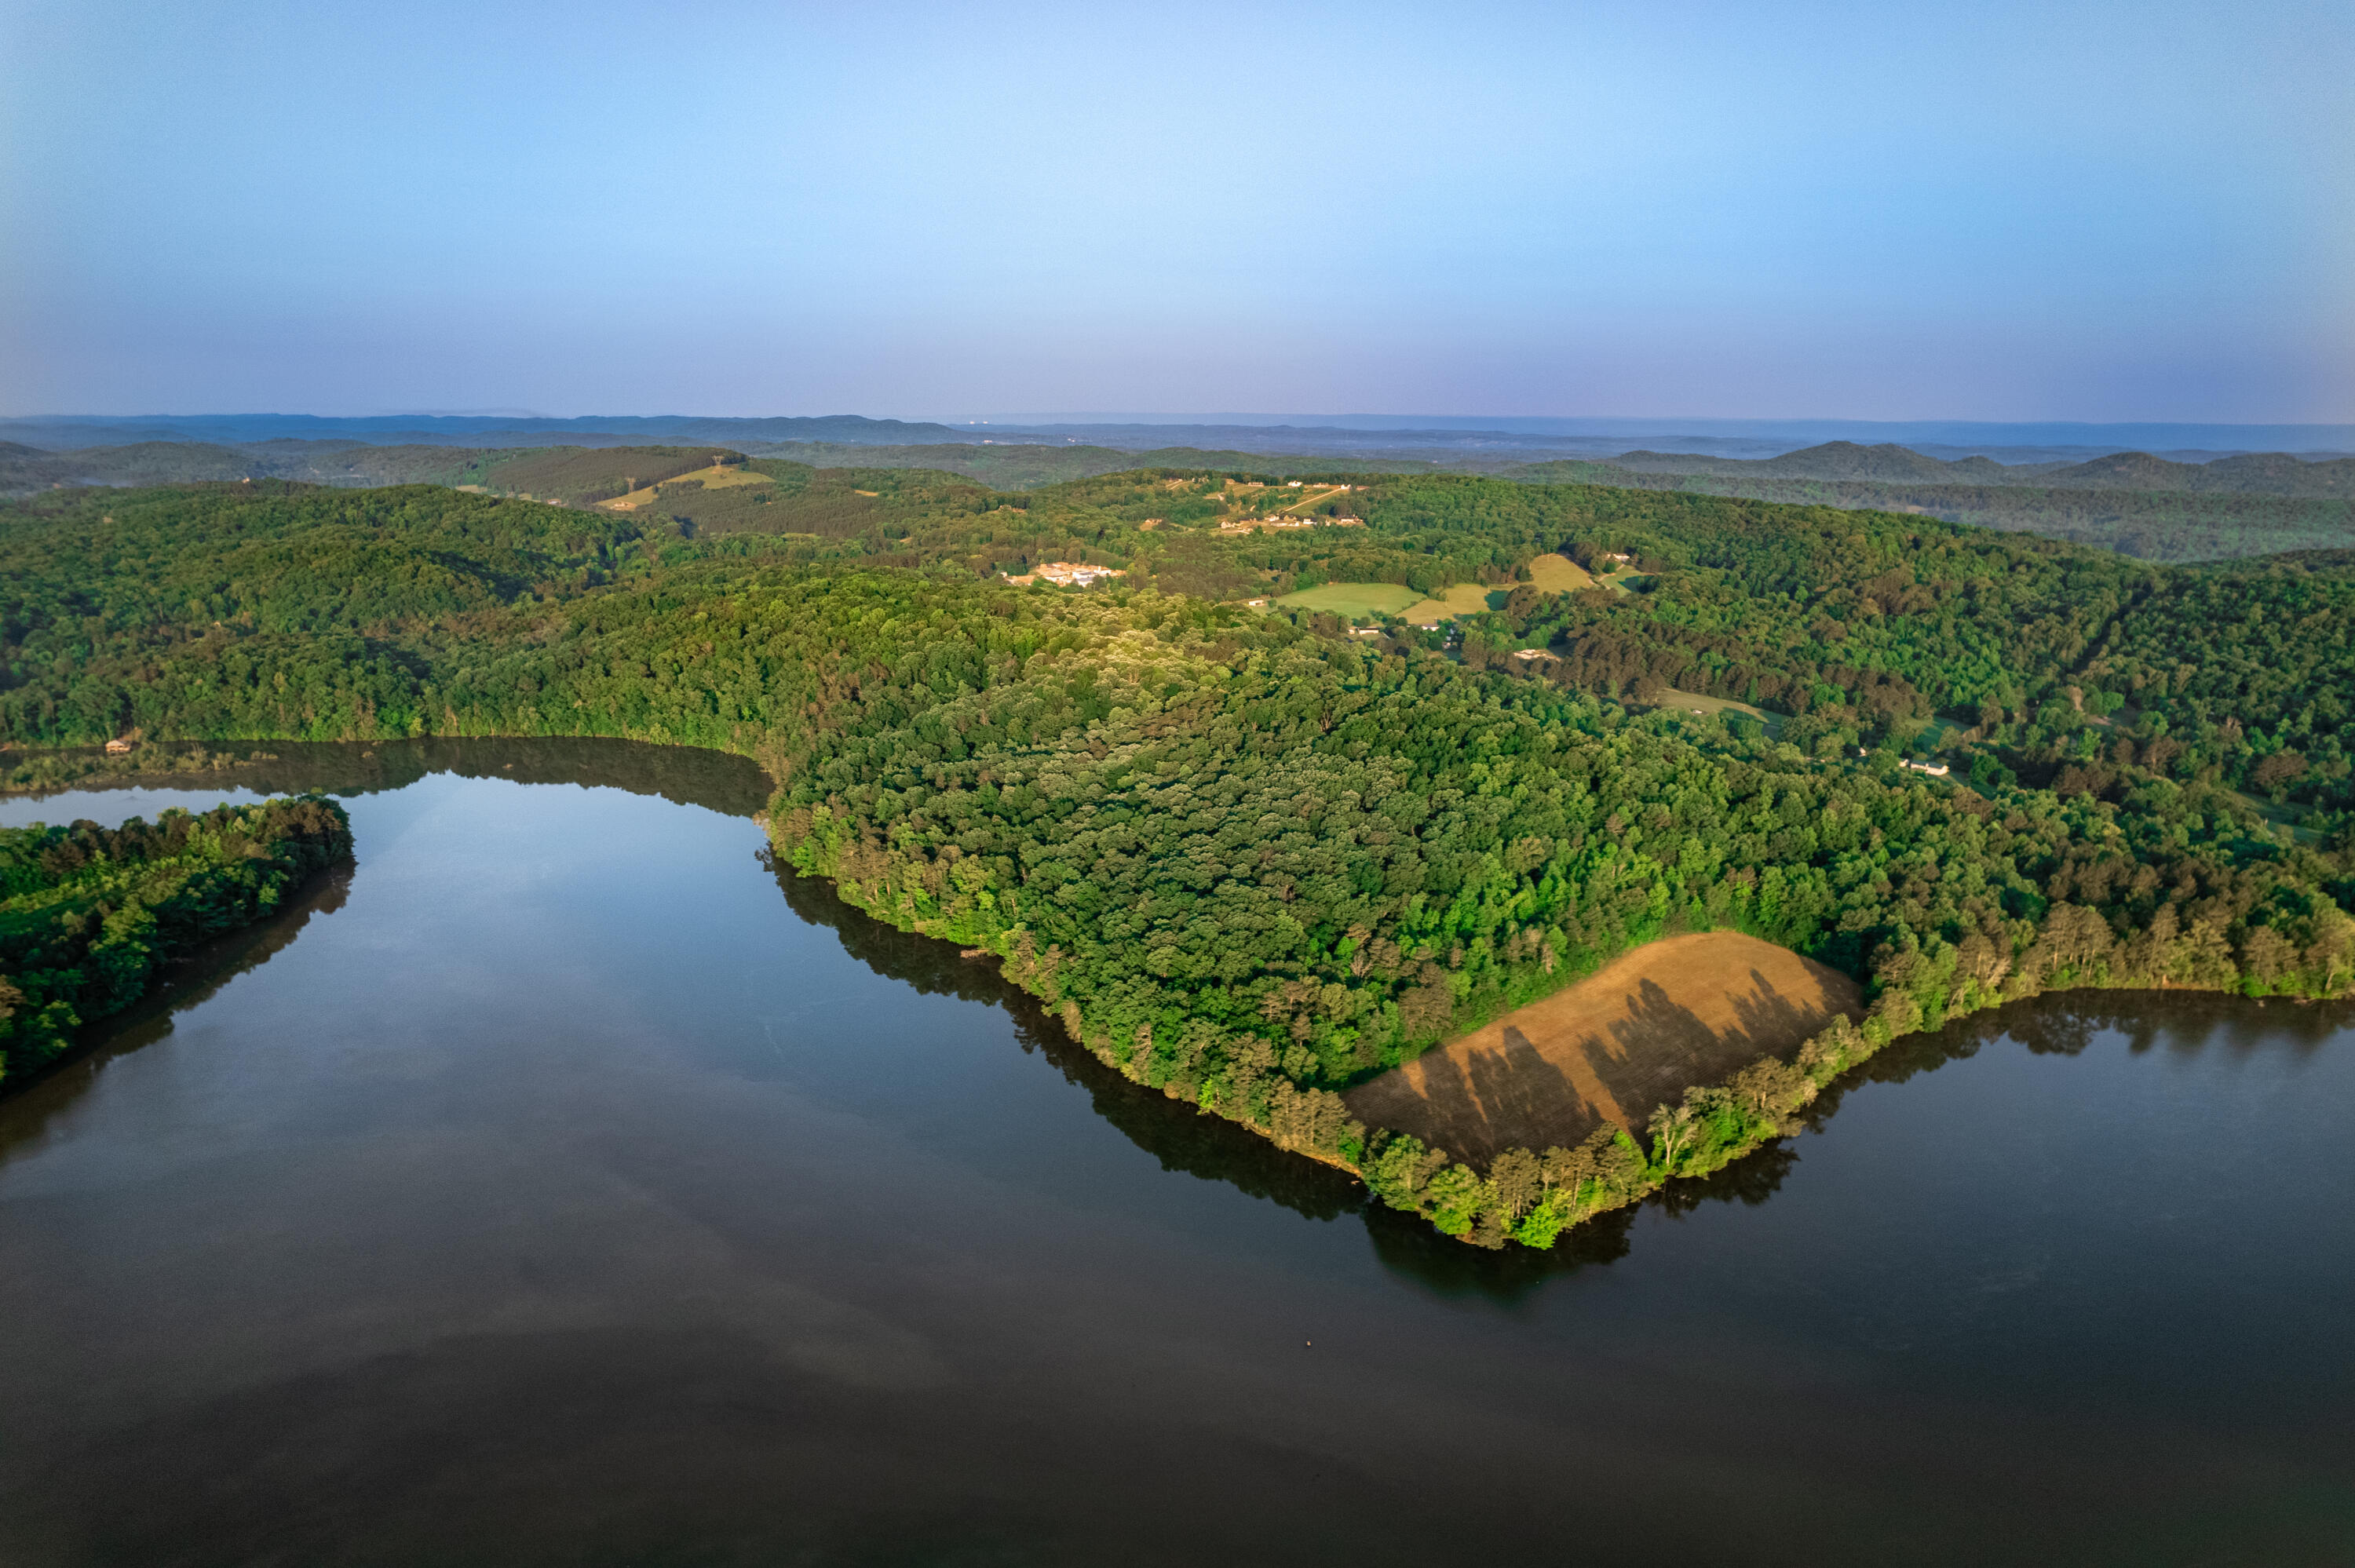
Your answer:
<point x="1632" y="1036"/>
<point x="1312" y="494"/>
<point x="1558" y="574"/>
<point x="579" y="475"/>
<point x="1695" y="702"/>
<point x="1357" y="600"/>
<point x="1462" y="599"/>
<point x="718" y="476"/>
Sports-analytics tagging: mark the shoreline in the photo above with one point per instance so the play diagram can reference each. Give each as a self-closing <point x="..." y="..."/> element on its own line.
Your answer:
<point x="1715" y="1122"/>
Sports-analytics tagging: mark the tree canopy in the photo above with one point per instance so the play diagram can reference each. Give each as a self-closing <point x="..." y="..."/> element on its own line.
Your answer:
<point x="1254" y="859"/>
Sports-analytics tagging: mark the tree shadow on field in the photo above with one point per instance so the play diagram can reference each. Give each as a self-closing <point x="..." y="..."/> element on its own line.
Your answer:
<point x="1477" y="1102"/>
<point x="1519" y="1081"/>
<point x="1184" y="1139"/>
<point x="1470" y="1098"/>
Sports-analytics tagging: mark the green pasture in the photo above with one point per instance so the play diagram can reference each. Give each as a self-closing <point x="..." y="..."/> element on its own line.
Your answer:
<point x="1462" y="599"/>
<point x="1359" y="601"/>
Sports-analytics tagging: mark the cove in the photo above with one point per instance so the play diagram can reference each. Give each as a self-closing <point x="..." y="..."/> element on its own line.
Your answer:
<point x="567" y="1185"/>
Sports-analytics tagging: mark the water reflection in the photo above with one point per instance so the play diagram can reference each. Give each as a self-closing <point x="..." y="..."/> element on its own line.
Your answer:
<point x="1187" y="1139"/>
<point x="689" y="776"/>
<point x="187" y="983"/>
<point x="1180" y="1137"/>
<point x="578" y="1192"/>
<point x="2063" y="1024"/>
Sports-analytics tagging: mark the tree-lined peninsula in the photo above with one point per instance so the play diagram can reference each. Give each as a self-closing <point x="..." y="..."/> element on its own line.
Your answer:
<point x="1259" y="847"/>
<point x="92" y="918"/>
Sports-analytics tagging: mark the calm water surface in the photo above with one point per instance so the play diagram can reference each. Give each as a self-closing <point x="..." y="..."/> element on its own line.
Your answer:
<point x="564" y="1186"/>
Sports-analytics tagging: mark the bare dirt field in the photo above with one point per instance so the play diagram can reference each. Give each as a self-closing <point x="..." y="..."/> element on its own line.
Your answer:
<point x="1633" y="1035"/>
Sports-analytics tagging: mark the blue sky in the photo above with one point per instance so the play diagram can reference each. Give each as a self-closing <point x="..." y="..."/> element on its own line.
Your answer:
<point x="2037" y="212"/>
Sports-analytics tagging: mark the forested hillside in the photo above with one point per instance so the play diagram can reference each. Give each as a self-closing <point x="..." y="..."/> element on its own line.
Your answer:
<point x="1255" y="858"/>
<point x="2016" y="654"/>
<point x="1021" y="465"/>
<point x="2211" y="522"/>
<point x="2131" y="502"/>
<point x="2247" y="473"/>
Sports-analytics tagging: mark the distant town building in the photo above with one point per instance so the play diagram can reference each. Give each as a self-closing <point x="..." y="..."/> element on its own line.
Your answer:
<point x="1074" y="573"/>
<point x="1934" y="770"/>
<point x="1279" y="520"/>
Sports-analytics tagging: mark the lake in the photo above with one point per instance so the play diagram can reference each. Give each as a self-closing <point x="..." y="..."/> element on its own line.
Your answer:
<point x="564" y="1184"/>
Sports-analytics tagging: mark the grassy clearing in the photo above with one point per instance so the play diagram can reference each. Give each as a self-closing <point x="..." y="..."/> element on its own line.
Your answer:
<point x="1938" y="733"/>
<point x="579" y="474"/>
<point x="1558" y="574"/>
<point x="1694" y="702"/>
<point x="1359" y="601"/>
<point x="718" y="476"/>
<point x="1632" y="1036"/>
<point x="1462" y="599"/>
<point x="1312" y="495"/>
<point x="2289" y="817"/>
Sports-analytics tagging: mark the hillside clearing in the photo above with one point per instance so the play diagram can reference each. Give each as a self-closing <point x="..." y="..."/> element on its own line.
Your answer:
<point x="1700" y="703"/>
<point x="1558" y="574"/>
<point x="1633" y="1035"/>
<point x="1316" y="494"/>
<point x="718" y="476"/>
<point x="1359" y="601"/>
<point x="1462" y="599"/>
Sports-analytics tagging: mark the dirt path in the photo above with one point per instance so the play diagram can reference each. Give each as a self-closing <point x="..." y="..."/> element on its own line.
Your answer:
<point x="1328" y="494"/>
<point x="1633" y="1035"/>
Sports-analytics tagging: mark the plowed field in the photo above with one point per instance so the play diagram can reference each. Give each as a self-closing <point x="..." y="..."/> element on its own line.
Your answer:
<point x="1633" y="1035"/>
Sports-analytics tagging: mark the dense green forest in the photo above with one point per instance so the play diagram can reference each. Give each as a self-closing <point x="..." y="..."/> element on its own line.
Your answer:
<point x="1253" y="859"/>
<point x="90" y="916"/>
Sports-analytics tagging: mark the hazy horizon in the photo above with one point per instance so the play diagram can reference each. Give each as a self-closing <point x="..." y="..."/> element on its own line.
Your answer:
<point x="1524" y="422"/>
<point x="2013" y="214"/>
<point x="2315" y="438"/>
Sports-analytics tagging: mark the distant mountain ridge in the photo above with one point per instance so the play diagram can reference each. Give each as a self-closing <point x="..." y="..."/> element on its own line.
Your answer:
<point x="2255" y="474"/>
<point x="2136" y="503"/>
<point x="67" y="433"/>
<point x="1445" y="441"/>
